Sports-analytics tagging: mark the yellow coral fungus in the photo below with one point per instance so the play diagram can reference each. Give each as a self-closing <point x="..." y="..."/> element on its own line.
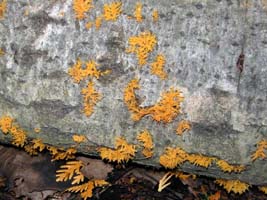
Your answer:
<point x="155" y="15"/>
<point x="226" y="167"/>
<point x="53" y="150"/>
<point x="68" y="170"/>
<point x="176" y="156"/>
<point x="61" y="154"/>
<point x="216" y="196"/>
<point x="146" y="138"/>
<point x="78" y="178"/>
<point x="72" y="171"/>
<point x="80" y="7"/>
<point x="2" y="8"/>
<point x="235" y="186"/>
<point x="30" y="150"/>
<point x="38" y="144"/>
<point x="200" y="160"/>
<point x="165" y="110"/>
<point x="165" y="181"/>
<point x="142" y="45"/>
<point x="168" y="107"/>
<point x="184" y="176"/>
<point x="131" y="100"/>
<point x="90" y="98"/>
<point x="77" y="72"/>
<point x="68" y="154"/>
<point x="5" y="124"/>
<point x="86" y="189"/>
<point x="263" y="189"/>
<point x="37" y="130"/>
<point x="92" y="71"/>
<point x="112" y="11"/>
<point x="259" y="153"/>
<point x="2" y="52"/>
<point x="34" y="147"/>
<point x="88" y="25"/>
<point x="98" y="22"/>
<point x="138" y="12"/>
<point x="18" y="135"/>
<point x="157" y="67"/>
<point x="148" y="153"/>
<point x="182" y="127"/>
<point x="123" y="151"/>
<point x="129" y="95"/>
<point x="79" y="138"/>
<point x="173" y="157"/>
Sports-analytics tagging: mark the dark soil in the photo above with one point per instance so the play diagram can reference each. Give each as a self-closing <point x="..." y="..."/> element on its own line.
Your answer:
<point x="33" y="178"/>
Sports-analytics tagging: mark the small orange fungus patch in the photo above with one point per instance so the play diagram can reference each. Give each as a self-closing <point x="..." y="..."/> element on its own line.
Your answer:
<point x="123" y="151"/>
<point x="90" y="98"/>
<point x="157" y="67"/>
<point x="61" y="154"/>
<point x="37" y="130"/>
<point x="112" y="11"/>
<point x="142" y="45"/>
<point x="80" y="7"/>
<point x="182" y="127"/>
<point x="79" y="138"/>
<point x="18" y="135"/>
<point x="200" y="160"/>
<point x="2" y="52"/>
<point x="5" y="124"/>
<point x="260" y="151"/>
<point x="3" y="5"/>
<point x="98" y="22"/>
<point x="168" y="107"/>
<point x="226" y="167"/>
<point x="173" y="157"/>
<point x="155" y="15"/>
<point x="78" y="73"/>
<point x="138" y="12"/>
<point x="146" y="138"/>
<point x="88" y="25"/>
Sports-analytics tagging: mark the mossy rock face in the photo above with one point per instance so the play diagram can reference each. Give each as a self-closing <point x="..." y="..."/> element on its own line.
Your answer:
<point x="201" y="41"/>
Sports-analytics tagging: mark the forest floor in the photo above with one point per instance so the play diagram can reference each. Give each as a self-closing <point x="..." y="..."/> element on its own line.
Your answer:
<point x="33" y="178"/>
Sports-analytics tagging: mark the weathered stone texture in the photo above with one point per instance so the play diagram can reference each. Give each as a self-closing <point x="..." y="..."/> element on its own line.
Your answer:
<point x="201" y="41"/>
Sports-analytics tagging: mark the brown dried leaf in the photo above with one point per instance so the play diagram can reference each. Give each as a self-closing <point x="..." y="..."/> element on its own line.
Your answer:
<point x="94" y="168"/>
<point x="26" y="174"/>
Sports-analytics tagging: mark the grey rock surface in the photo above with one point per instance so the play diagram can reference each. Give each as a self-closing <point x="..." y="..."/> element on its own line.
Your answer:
<point x="201" y="40"/>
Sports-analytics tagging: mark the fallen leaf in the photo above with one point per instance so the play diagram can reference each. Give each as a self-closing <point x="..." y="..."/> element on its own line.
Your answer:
<point x="94" y="168"/>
